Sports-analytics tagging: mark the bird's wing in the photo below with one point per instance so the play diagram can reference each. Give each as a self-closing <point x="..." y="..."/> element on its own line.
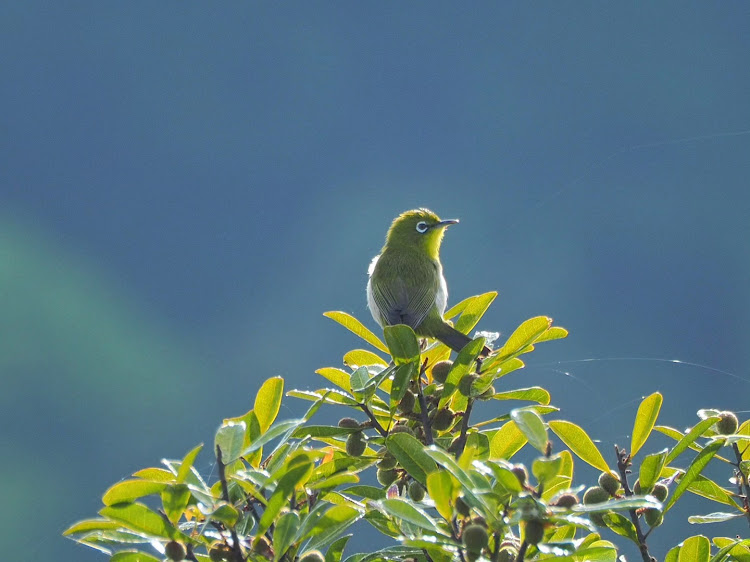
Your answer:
<point x="402" y="304"/>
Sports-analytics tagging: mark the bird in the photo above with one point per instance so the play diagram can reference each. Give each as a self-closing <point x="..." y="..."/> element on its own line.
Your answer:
<point x="406" y="283"/>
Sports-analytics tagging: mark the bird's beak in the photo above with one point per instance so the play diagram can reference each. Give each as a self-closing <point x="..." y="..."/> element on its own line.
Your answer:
<point x="445" y="223"/>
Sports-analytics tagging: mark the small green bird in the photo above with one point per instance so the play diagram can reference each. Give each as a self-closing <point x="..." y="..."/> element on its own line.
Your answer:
<point x="406" y="284"/>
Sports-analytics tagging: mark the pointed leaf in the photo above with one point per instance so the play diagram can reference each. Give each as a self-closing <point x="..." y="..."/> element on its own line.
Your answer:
<point x="187" y="464"/>
<point x="403" y="375"/>
<point x="139" y="518"/>
<point x="230" y="438"/>
<point x="645" y="419"/>
<point x="284" y="492"/>
<point x="531" y="425"/>
<point x="352" y="324"/>
<point x="695" y="549"/>
<point x="336" y="376"/>
<point x="406" y="511"/>
<point x="692" y="473"/>
<point x="506" y="441"/>
<point x="621" y="525"/>
<point x="689" y="439"/>
<point x="578" y="441"/>
<point x="443" y="492"/>
<point x="336" y="550"/>
<point x="473" y="311"/>
<point x="284" y="533"/>
<point x="89" y="525"/>
<point x="524" y="336"/>
<point x="131" y="490"/>
<point x="716" y="517"/>
<point x="461" y="366"/>
<point x="362" y="357"/>
<point x="533" y="394"/>
<point x="334" y="522"/>
<point x="268" y="402"/>
<point x="650" y="470"/>
<point x="554" y="333"/>
<point x="411" y="455"/>
<point x="402" y="343"/>
<point x="174" y="500"/>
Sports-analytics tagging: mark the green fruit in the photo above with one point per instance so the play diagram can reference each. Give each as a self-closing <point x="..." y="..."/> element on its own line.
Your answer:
<point x="443" y="419"/>
<point x="401" y="429"/>
<point x="660" y="491"/>
<point x="349" y="423"/>
<point x="220" y="552"/>
<point x="174" y="551"/>
<point x="416" y="491"/>
<point x="534" y="531"/>
<point x="653" y="517"/>
<point x="387" y="462"/>
<point x="594" y="495"/>
<point x="464" y="385"/>
<point x="637" y="487"/>
<point x="475" y="538"/>
<point x="406" y="405"/>
<point x="727" y="424"/>
<point x="507" y="554"/>
<point x="462" y="507"/>
<point x="487" y="394"/>
<point x="520" y="471"/>
<point x="565" y="500"/>
<point x="355" y="444"/>
<point x="387" y="476"/>
<point x="312" y="556"/>
<point x="609" y="482"/>
<point x="440" y="371"/>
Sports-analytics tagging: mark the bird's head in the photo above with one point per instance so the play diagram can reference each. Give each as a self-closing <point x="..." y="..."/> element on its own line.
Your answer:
<point x="420" y="228"/>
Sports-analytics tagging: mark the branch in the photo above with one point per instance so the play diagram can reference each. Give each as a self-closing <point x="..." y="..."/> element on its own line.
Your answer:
<point x="623" y="463"/>
<point x="426" y="425"/>
<point x="375" y="423"/>
<point x="743" y="482"/>
<point x="236" y="548"/>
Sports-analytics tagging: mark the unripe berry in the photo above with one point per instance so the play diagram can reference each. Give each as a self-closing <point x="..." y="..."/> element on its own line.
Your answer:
<point x="487" y="394"/>
<point x="406" y="405"/>
<point x="416" y="491"/>
<point x="387" y="476"/>
<point x="219" y="552"/>
<point x="387" y="462"/>
<point x="534" y="531"/>
<point x="609" y="482"/>
<point x="174" y="551"/>
<point x="462" y="507"/>
<point x="349" y="423"/>
<point x="355" y="444"/>
<point x="475" y="538"/>
<point x="596" y="495"/>
<point x="654" y="517"/>
<point x="727" y="423"/>
<point x="402" y="429"/>
<point x="443" y="419"/>
<point x="440" y="371"/>
<point x="464" y="385"/>
<point x="660" y="491"/>
<point x="565" y="500"/>
<point x="312" y="556"/>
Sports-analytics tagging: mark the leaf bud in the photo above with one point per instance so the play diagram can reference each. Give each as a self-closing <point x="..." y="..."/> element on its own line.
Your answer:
<point x="475" y="538"/>
<point x="443" y="419"/>
<point x="565" y="501"/>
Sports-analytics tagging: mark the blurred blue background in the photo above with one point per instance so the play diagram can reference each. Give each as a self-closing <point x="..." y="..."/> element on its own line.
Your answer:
<point x="186" y="187"/>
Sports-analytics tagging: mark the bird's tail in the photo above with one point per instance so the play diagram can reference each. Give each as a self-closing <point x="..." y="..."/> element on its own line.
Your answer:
<point x="455" y="339"/>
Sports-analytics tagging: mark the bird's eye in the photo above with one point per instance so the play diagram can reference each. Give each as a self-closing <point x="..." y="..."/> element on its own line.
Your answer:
<point x="422" y="227"/>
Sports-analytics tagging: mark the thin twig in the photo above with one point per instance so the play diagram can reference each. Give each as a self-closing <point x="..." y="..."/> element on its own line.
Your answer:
<point x="461" y="442"/>
<point x="375" y="423"/>
<point x="189" y="554"/>
<point x="236" y="548"/>
<point x="522" y="551"/>
<point x="623" y="464"/>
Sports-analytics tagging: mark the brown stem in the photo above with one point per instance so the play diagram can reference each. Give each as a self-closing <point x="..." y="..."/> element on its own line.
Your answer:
<point x="743" y="482"/>
<point x="236" y="548"/>
<point x="623" y="464"/>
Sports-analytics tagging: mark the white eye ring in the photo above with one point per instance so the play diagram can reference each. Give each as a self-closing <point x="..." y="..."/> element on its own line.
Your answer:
<point x="422" y="227"/>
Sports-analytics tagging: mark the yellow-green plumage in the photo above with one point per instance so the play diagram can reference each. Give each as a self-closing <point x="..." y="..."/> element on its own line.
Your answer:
<point x="406" y="284"/>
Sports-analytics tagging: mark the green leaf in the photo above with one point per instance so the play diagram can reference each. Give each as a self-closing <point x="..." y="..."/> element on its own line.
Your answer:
<point x="522" y="339"/>
<point x="473" y="311"/>
<point x="131" y="490"/>
<point x="695" y="549"/>
<point x="284" y="492"/>
<point x="334" y="522"/>
<point x="359" y="379"/>
<point x="402" y="343"/>
<point x="462" y="365"/>
<point x="692" y="473"/>
<point x="717" y="517"/>
<point x="276" y="430"/>
<point x="268" y="402"/>
<point x="336" y="550"/>
<point x="407" y="511"/>
<point x="174" y="500"/>
<point x="230" y="438"/>
<point x="651" y="467"/>
<point x="506" y="441"/>
<point x="340" y="378"/>
<point x="401" y="379"/>
<point x="545" y="469"/>
<point x="531" y="425"/>
<point x="226" y="514"/>
<point x="89" y="525"/>
<point x="411" y="455"/>
<point x="187" y="464"/>
<point x="352" y="324"/>
<point x="362" y="357"/>
<point x="468" y="486"/>
<point x="137" y="517"/>
<point x="443" y="492"/>
<point x="564" y="478"/>
<point x="155" y="475"/>
<point x="645" y="419"/>
<point x="621" y="525"/>
<point x="554" y="333"/>
<point x="533" y="394"/>
<point x="133" y="556"/>
<point x="285" y="533"/>
<point x="578" y="441"/>
<point x="739" y="549"/>
<point x="689" y="439"/>
<point x="367" y="492"/>
<point x="326" y="395"/>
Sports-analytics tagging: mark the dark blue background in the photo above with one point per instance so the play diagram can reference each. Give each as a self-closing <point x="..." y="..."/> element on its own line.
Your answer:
<point x="186" y="187"/>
